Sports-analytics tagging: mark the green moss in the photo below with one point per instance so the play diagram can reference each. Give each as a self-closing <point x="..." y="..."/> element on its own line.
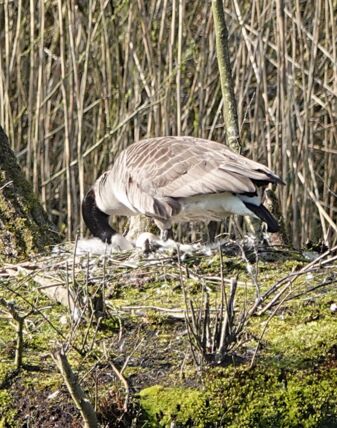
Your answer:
<point x="299" y="334"/>
<point x="301" y="342"/>
<point x="7" y="410"/>
<point x="292" y="384"/>
<point x="23" y="234"/>
<point x="49" y="381"/>
<point x="263" y="397"/>
<point x="165" y="405"/>
<point x="24" y="226"/>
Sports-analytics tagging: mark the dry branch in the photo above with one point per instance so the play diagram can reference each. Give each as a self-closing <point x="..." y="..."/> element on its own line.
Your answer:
<point x="79" y="397"/>
<point x="19" y="324"/>
<point x="58" y="292"/>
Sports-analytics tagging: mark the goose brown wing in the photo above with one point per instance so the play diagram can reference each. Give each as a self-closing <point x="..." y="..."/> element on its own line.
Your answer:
<point x="205" y="177"/>
<point x="159" y="171"/>
<point x="185" y="166"/>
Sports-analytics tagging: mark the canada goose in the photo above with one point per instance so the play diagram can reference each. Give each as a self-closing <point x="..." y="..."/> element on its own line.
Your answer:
<point x="176" y="179"/>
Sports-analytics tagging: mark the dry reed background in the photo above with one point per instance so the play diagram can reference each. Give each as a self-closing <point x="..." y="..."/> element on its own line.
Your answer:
<point x="79" y="80"/>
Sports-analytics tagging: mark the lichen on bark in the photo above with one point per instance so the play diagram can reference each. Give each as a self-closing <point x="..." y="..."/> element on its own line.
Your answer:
<point x="24" y="225"/>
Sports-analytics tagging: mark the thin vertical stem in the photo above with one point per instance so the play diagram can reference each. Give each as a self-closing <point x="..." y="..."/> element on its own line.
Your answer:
<point x="178" y="77"/>
<point x="67" y="151"/>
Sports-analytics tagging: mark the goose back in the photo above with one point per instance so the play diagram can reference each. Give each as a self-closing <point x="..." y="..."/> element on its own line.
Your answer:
<point x="152" y="176"/>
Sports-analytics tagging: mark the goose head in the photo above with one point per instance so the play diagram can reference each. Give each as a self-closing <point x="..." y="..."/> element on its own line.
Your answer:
<point x="95" y="219"/>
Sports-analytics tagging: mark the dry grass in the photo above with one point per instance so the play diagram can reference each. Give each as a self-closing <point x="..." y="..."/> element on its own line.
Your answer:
<point x="81" y="80"/>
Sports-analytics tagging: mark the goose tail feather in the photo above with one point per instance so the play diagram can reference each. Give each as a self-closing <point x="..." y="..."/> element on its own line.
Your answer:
<point x="262" y="213"/>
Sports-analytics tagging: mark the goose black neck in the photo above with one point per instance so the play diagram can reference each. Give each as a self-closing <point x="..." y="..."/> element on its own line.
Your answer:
<point x="95" y="219"/>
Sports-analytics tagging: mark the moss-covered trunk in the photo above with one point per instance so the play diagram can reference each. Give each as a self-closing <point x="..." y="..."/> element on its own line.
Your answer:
<point x="24" y="225"/>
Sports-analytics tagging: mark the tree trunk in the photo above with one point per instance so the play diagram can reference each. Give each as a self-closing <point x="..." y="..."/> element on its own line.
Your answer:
<point x="225" y="70"/>
<point x="230" y="114"/>
<point x="24" y="225"/>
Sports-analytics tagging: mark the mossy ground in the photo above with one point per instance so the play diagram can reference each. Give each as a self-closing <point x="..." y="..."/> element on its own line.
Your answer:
<point x="292" y="384"/>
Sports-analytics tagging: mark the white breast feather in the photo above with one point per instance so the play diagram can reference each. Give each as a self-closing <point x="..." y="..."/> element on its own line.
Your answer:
<point x="213" y="207"/>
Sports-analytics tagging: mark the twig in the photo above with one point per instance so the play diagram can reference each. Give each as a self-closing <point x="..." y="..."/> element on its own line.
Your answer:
<point x="289" y="279"/>
<point x="19" y="323"/>
<point x="81" y="401"/>
<point x="6" y="184"/>
<point x="125" y="384"/>
<point x="265" y="328"/>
